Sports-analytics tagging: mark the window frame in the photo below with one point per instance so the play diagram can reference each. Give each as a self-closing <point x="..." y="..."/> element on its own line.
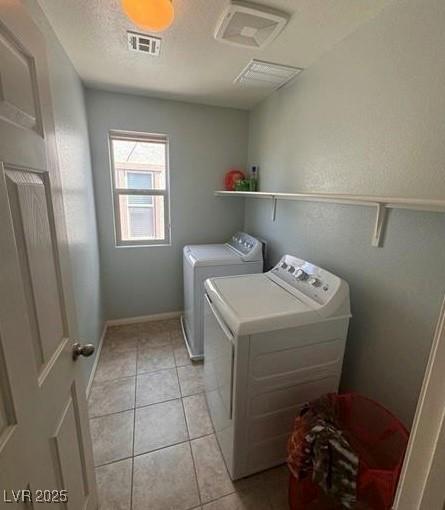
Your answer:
<point x="117" y="192"/>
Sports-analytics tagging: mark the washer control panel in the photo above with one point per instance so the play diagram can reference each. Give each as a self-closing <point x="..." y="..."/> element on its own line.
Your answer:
<point x="311" y="280"/>
<point x="244" y="243"/>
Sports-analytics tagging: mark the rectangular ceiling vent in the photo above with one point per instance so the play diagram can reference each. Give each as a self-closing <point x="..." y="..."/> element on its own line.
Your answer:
<point x="249" y="25"/>
<point x="144" y="43"/>
<point x="266" y="75"/>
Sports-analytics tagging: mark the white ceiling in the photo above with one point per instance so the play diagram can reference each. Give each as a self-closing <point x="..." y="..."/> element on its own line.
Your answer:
<point x="193" y="66"/>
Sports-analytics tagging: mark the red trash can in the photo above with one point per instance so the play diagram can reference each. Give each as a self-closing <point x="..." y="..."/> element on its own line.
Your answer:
<point x="378" y="438"/>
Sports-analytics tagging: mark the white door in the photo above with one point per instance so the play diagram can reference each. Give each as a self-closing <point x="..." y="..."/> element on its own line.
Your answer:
<point x="421" y="484"/>
<point x="44" y="434"/>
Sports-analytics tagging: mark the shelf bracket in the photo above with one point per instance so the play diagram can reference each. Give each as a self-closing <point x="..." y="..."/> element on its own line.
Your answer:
<point x="274" y="208"/>
<point x="379" y="227"/>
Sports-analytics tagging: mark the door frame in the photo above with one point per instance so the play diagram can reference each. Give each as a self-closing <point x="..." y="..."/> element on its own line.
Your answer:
<point x="416" y="489"/>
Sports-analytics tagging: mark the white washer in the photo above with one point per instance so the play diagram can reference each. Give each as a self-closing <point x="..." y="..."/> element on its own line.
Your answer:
<point x="241" y="255"/>
<point x="273" y="341"/>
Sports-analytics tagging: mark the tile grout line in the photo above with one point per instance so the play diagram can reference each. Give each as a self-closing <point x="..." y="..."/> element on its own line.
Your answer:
<point x="134" y="427"/>
<point x="111" y="414"/>
<point x="213" y="433"/>
<point x="113" y="462"/>
<point x="152" y="451"/>
<point x="139" y="373"/>
<point x="189" y="442"/>
<point x="137" y="407"/>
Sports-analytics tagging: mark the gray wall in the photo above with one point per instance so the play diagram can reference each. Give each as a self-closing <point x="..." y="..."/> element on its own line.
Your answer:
<point x="204" y="142"/>
<point x="75" y="165"/>
<point x="367" y="118"/>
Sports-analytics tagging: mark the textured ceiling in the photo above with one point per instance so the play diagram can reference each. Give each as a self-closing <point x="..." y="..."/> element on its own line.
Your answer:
<point x="193" y="66"/>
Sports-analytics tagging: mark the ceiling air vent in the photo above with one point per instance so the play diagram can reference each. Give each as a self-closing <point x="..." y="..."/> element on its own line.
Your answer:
<point x="249" y="25"/>
<point x="266" y="74"/>
<point x="144" y="43"/>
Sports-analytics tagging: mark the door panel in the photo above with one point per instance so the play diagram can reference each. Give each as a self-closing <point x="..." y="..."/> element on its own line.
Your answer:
<point x="7" y="415"/>
<point x="17" y="84"/>
<point x="44" y="433"/>
<point x="38" y="260"/>
<point x="69" y="456"/>
<point x="4" y="419"/>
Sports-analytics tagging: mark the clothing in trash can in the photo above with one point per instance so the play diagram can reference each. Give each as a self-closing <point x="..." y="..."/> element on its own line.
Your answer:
<point x="318" y="446"/>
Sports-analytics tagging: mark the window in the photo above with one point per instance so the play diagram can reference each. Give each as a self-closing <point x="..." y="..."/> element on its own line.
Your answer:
<point x="139" y="166"/>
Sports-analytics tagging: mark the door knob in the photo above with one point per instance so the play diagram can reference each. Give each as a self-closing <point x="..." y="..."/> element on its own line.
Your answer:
<point x="82" y="350"/>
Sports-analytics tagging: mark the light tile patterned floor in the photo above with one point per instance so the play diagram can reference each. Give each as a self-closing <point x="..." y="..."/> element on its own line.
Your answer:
<point x="153" y="440"/>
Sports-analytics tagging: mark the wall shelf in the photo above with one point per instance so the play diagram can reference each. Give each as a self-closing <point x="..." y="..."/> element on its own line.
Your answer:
<point x="381" y="204"/>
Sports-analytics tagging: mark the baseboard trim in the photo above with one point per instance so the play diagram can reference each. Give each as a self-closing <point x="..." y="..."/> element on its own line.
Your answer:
<point x="144" y="318"/>
<point x="96" y="360"/>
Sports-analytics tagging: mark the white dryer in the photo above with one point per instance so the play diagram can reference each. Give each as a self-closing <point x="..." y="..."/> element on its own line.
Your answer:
<point x="243" y="254"/>
<point x="273" y="341"/>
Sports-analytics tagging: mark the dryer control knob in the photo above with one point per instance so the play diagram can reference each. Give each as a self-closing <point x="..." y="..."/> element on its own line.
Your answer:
<point x="301" y="275"/>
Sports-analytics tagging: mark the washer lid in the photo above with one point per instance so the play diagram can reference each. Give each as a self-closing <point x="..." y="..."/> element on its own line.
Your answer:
<point x="251" y="304"/>
<point x="212" y="255"/>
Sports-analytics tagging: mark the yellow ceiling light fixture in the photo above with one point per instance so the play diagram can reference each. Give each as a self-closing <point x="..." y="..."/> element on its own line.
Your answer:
<point x="153" y="15"/>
